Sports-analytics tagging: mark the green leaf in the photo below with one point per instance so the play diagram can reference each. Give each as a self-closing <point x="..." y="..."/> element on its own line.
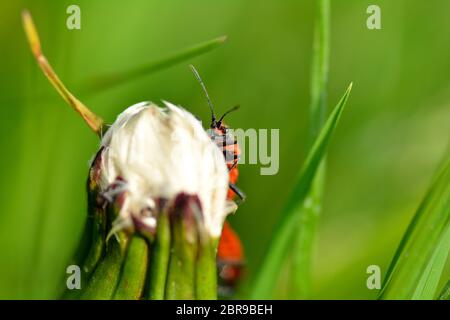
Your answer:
<point x="114" y="79"/>
<point x="299" y="285"/>
<point x="417" y="265"/>
<point x="269" y="271"/>
<point x="319" y="69"/>
<point x="445" y="294"/>
<point x="427" y="288"/>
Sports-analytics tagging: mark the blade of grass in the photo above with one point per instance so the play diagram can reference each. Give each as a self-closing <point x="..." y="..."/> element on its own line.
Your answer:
<point x="445" y="294"/>
<point x="427" y="288"/>
<point x="93" y="121"/>
<point x="421" y="240"/>
<point x="114" y="79"/>
<point x="319" y="69"/>
<point x="306" y="229"/>
<point x="268" y="273"/>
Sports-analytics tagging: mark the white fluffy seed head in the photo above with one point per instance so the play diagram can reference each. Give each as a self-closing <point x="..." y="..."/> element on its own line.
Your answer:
<point x="160" y="153"/>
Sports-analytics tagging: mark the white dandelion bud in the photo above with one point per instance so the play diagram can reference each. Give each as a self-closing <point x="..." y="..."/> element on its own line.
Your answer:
<point x="157" y="154"/>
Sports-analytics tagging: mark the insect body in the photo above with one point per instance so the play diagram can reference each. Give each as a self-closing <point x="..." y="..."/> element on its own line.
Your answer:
<point x="225" y="140"/>
<point x="230" y="254"/>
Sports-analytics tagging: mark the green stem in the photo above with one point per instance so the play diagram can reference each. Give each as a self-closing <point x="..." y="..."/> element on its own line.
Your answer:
<point x="132" y="279"/>
<point x="159" y="259"/>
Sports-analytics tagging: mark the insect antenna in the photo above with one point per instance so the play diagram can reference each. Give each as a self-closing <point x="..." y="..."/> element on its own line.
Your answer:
<point x="226" y="113"/>
<point x="208" y="99"/>
<point x="94" y="122"/>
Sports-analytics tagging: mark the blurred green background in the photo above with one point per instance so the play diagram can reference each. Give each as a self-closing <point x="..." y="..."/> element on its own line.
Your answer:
<point x="389" y="142"/>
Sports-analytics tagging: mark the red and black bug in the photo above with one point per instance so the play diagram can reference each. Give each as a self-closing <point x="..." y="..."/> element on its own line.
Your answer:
<point x="225" y="140"/>
<point x="230" y="254"/>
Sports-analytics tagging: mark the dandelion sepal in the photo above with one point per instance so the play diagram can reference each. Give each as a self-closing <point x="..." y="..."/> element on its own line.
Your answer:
<point x="159" y="259"/>
<point x="184" y="233"/>
<point x="206" y="275"/>
<point x="132" y="278"/>
<point x="103" y="282"/>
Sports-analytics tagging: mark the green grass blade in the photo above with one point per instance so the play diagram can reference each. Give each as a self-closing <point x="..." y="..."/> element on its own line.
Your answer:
<point x="427" y="288"/>
<point x="319" y="69"/>
<point x="305" y="235"/>
<point x="304" y="243"/>
<point x="417" y="262"/>
<point x="445" y="294"/>
<point x="114" y="79"/>
<point x="268" y="273"/>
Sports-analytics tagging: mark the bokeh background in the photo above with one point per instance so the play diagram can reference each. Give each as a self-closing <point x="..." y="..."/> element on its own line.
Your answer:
<point x="391" y="137"/>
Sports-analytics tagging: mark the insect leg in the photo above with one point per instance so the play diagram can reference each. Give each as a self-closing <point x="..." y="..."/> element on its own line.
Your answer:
<point x="238" y="191"/>
<point x="234" y="165"/>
